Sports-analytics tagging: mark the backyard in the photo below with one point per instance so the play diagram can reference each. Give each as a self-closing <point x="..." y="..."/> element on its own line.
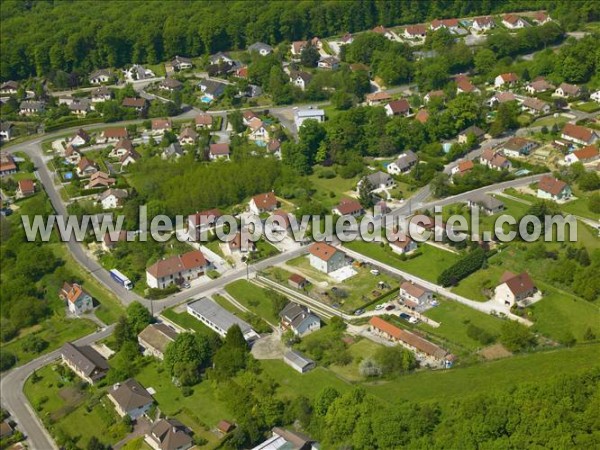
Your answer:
<point x="254" y="298"/>
<point x="330" y="191"/>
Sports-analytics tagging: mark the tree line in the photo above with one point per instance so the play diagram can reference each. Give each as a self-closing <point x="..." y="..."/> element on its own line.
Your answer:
<point x="40" y="38"/>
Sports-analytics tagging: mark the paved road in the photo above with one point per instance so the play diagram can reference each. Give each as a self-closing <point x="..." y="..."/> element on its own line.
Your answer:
<point x="16" y="403"/>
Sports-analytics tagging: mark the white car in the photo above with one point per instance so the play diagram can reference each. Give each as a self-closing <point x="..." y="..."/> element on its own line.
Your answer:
<point x="379" y="307"/>
<point x="374" y="271"/>
<point x="413" y="320"/>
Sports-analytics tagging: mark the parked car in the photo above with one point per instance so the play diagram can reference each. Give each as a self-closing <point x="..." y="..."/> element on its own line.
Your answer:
<point x="186" y="285"/>
<point x="413" y="320"/>
<point x="375" y="271"/>
<point x="358" y="312"/>
<point x="390" y="307"/>
<point x="404" y="316"/>
<point x="379" y="307"/>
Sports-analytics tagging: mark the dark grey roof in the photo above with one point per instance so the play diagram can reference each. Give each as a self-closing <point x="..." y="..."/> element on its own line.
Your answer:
<point x="212" y="87"/>
<point x="81" y="104"/>
<point x="487" y="201"/>
<point x="85" y="358"/>
<point x="478" y="132"/>
<point x="173" y="149"/>
<point x="258" y="46"/>
<point x="158" y="336"/>
<point x="130" y="395"/>
<point x="379" y="178"/>
<point x="34" y="105"/>
<point x="296" y="314"/>
<point x="406" y="159"/>
<point x="171" y="434"/>
<point x="222" y="318"/>
<point x="101" y="72"/>
<point x="297" y="358"/>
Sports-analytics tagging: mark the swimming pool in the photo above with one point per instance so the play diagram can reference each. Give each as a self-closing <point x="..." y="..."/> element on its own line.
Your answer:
<point x="205" y="99"/>
<point x="260" y="143"/>
<point x="68" y="175"/>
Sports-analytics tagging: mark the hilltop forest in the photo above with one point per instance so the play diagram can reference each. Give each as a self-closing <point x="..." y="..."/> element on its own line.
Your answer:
<point x="39" y="38"/>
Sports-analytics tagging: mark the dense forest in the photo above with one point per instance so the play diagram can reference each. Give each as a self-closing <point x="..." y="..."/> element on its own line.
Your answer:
<point x="42" y="37"/>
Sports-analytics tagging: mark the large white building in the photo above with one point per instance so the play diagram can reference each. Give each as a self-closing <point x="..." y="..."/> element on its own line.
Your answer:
<point x="218" y="319"/>
<point x="177" y="269"/>
<point x="325" y="257"/>
<point x="300" y="115"/>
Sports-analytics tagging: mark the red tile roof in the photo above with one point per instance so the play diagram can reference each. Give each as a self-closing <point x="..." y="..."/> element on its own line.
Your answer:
<point x="115" y="132"/>
<point x="26" y="186"/>
<point x="204" y="119"/>
<point x="518" y="284"/>
<point x="399" y="106"/>
<point x="265" y="201"/>
<point x="578" y="132"/>
<point x="422" y="116"/>
<point x="551" y="185"/>
<point x="178" y="263"/>
<point x="161" y="124"/>
<point x="322" y="250"/>
<point x="509" y="77"/>
<point x="414" y="290"/>
<point x="588" y="152"/>
<point x="349" y="206"/>
<point x="219" y="149"/>
<point x="416" y="30"/>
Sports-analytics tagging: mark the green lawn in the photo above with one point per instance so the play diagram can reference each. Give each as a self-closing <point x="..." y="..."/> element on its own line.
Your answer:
<point x="579" y="207"/>
<point x="454" y="319"/>
<point x="186" y="321"/>
<point x="254" y="298"/>
<point x="477" y="284"/>
<point x="588" y="107"/>
<point x="359" y="351"/>
<point x="63" y="405"/>
<point x="331" y="190"/>
<point x="560" y="312"/>
<point x="215" y="247"/>
<point x="56" y="330"/>
<point x="549" y="121"/>
<point x="445" y="385"/>
<point x="429" y="265"/>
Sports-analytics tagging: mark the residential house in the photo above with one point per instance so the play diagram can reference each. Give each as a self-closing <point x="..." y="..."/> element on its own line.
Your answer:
<point x="535" y="106"/>
<point x="347" y="39"/>
<point x="87" y="363"/>
<point x="299" y="319"/>
<point x="477" y="132"/>
<point x="238" y="245"/>
<point x="6" y="129"/>
<point x="101" y="94"/>
<point x="86" y="167"/>
<point x="508" y="79"/>
<point x="415" y="31"/>
<point x="220" y="57"/>
<point x="348" y="207"/>
<point x="139" y="104"/>
<point x="7" y="430"/>
<point x="298" y="361"/>
<point x="65" y="100"/>
<point x="155" y="338"/>
<point x="274" y="148"/>
<point x="113" y="134"/>
<point x="325" y="257"/>
<point x="129" y="158"/>
<point x="101" y="76"/>
<point x="130" y="398"/>
<point x="177" y="269"/>
<point x="260" y="48"/>
<point x="595" y="96"/>
<point x="494" y="159"/>
<point x="81" y="107"/>
<point x="329" y="63"/>
<point x="462" y="168"/>
<point x="261" y="203"/>
<point x="174" y="150"/>
<point x="137" y="73"/>
<point x="584" y="155"/>
<point x="258" y="131"/>
<point x="80" y="138"/>
<point x="169" y="434"/>
<point x="248" y="116"/>
<point x="280" y="220"/>
<point x="9" y="88"/>
<point x="413" y="342"/>
<point x="518" y="146"/>
<point x="402" y="244"/>
<point x="78" y="301"/>
<point x="7" y="164"/>
<point x="404" y="163"/>
<point x="513" y="288"/>
<point x="203" y="121"/>
<point x="159" y="126"/>
<point x="218" y="151"/>
<point x="465" y="86"/>
<point x="422" y="116"/>
<point x="384" y="32"/>
<point x="489" y="204"/>
<point x="72" y="156"/>
<point x="170" y="84"/>
<point x="31" y="107"/>
<point x="181" y="63"/>
<point x="578" y="134"/>
<point x="242" y="72"/>
<point x="398" y="108"/>
<point x="219" y="319"/>
<point x="377" y="98"/>
<point x="514" y="22"/>
<point x="553" y="189"/>
<point x="300" y="79"/>
<point x="297" y="281"/>
<point x="212" y="89"/>
<point x="538" y="85"/>
<point x="202" y="221"/>
<point x="300" y="115"/>
<point x="434" y="94"/>
<point x="287" y="440"/>
<point x="25" y="188"/>
<point x="541" y="17"/>
<point x="112" y="198"/>
<point x="450" y="24"/>
<point x="188" y="136"/>
<point x="100" y="180"/>
<point x="501" y="97"/>
<point x="379" y="180"/>
<point x="122" y="147"/>
<point x="110" y="240"/>
<point x="413" y="294"/>
<point x="566" y="90"/>
<point x="483" y="23"/>
<point x="297" y="47"/>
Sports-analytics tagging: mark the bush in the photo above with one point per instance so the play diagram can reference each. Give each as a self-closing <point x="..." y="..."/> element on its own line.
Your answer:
<point x="479" y="334"/>
<point x="7" y="360"/>
<point x="472" y="262"/>
<point x="326" y="173"/>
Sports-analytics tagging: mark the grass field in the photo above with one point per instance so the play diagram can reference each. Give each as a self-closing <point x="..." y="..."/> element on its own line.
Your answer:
<point x="61" y="404"/>
<point x="56" y="330"/>
<point x="588" y="107"/>
<point x="444" y="386"/>
<point x="549" y="121"/>
<point x="186" y="321"/>
<point x="359" y="351"/>
<point x="429" y="265"/>
<point x="331" y="190"/>
<point x="254" y="298"/>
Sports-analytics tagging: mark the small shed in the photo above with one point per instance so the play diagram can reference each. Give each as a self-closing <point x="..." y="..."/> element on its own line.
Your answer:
<point x="225" y="426"/>
<point x="297" y="281"/>
<point x="298" y="361"/>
